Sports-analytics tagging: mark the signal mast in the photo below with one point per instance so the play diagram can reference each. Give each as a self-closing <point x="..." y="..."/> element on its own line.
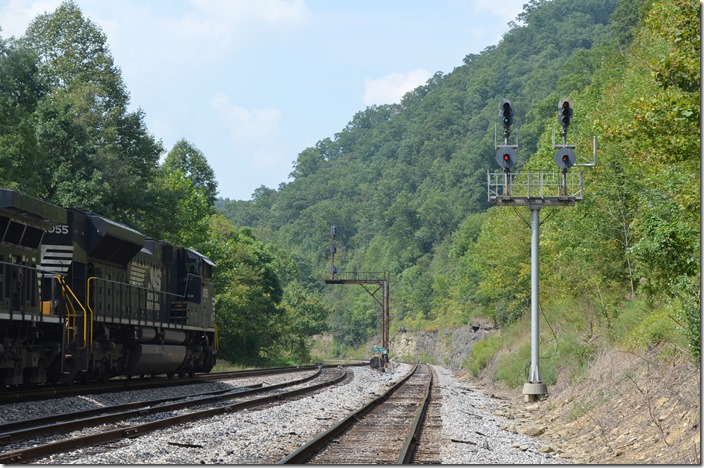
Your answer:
<point x="535" y="190"/>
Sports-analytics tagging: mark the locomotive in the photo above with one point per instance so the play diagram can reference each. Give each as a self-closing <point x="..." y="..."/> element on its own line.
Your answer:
<point x="85" y="298"/>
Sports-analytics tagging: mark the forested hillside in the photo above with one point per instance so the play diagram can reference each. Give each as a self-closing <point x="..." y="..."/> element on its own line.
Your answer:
<point x="67" y="136"/>
<point x="405" y="184"/>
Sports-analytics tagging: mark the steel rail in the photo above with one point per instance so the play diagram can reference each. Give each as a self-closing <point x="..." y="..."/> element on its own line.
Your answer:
<point x="11" y="395"/>
<point x="19" y="430"/>
<point x="414" y="434"/>
<point x="77" y="420"/>
<point x="307" y="450"/>
<point x="32" y="453"/>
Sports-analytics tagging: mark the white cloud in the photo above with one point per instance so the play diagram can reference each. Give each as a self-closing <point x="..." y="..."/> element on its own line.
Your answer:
<point x="17" y="14"/>
<point x="212" y="28"/>
<point x="246" y="124"/>
<point x="391" y="88"/>
<point x="507" y="10"/>
<point x="255" y="133"/>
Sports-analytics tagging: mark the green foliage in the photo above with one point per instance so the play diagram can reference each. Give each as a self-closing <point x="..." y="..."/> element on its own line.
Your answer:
<point x="686" y="312"/>
<point x="505" y="273"/>
<point x="513" y="368"/>
<point x="75" y="142"/>
<point x="178" y="212"/>
<point x="653" y="329"/>
<point x="191" y="161"/>
<point x="482" y="353"/>
<point x="21" y="89"/>
<point x="304" y="315"/>
<point x="405" y="185"/>
<point x="248" y="292"/>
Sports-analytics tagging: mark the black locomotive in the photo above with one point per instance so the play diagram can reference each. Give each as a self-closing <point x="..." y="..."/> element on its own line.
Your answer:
<point x="84" y="298"/>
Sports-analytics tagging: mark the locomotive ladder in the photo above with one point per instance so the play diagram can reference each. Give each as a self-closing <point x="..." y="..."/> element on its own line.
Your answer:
<point x="73" y="316"/>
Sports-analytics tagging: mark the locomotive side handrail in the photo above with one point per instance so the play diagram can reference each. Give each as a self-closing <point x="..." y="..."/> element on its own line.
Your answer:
<point x="71" y="314"/>
<point x="18" y="289"/>
<point x="159" y="306"/>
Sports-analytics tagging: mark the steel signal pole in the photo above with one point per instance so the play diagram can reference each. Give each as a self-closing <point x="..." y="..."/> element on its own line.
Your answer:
<point x="535" y="385"/>
<point x="533" y="190"/>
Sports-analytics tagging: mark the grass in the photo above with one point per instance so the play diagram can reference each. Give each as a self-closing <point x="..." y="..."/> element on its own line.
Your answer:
<point x="225" y="366"/>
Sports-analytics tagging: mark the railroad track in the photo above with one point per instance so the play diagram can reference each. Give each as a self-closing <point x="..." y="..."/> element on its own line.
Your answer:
<point x="45" y="449"/>
<point x="15" y="395"/>
<point x="428" y="449"/>
<point x="384" y="431"/>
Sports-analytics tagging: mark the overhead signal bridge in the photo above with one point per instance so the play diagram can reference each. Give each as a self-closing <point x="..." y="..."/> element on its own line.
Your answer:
<point x="365" y="279"/>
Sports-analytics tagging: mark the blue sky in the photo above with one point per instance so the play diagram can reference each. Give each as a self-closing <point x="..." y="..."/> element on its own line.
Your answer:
<point x="252" y="83"/>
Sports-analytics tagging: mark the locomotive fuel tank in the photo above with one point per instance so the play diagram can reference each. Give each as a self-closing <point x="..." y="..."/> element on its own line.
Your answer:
<point x="155" y="359"/>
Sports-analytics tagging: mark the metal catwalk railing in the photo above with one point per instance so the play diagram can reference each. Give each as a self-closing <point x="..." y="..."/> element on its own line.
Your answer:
<point x="535" y="185"/>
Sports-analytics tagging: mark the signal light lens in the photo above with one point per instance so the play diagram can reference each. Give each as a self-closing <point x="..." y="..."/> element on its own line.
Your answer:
<point x="565" y="158"/>
<point x="505" y="157"/>
<point x="505" y="113"/>
<point x="564" y="113"/>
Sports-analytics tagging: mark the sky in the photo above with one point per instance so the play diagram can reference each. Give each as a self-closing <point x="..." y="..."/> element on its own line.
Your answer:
<point x="252" y="83"/>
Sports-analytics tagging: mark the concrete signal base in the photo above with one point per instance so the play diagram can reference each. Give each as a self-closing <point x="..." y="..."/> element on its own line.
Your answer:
<point x="532" y="391"/>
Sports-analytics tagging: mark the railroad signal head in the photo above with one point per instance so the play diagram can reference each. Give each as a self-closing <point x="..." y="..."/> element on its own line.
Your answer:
<point x="565" y="158"/>
<point x="506" y="113"/>
<point x="564" y="112"/>
<point x="506" y="157"/>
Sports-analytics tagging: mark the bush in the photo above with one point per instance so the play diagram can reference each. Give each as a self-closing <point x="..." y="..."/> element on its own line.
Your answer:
<point x="655" y="328"/>
<point x="482" y="352"/>
<point x="513" y="368"/>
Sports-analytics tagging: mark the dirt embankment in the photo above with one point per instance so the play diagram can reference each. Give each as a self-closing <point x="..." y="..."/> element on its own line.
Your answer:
<point x="628" y="408"/>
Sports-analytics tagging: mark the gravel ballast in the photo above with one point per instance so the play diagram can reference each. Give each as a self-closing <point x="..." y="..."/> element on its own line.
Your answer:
<point x="471" y="432"/>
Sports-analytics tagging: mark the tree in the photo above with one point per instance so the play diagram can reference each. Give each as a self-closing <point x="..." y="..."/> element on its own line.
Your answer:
<point x="21" y="89"/>
<point x="178" y="212"/>
<point x="96" y="155"/>
<point x="248" y="292"/>
<point x="73" y="54"/>
<point x="191" y="161"/>
<point x="305" y="315"/>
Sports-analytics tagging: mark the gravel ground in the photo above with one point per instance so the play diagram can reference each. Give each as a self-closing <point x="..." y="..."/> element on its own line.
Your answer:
<point x="472" y="432"/>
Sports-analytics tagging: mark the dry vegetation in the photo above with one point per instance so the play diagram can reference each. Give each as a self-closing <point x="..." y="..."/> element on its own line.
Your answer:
<point x="628" y="408"/>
